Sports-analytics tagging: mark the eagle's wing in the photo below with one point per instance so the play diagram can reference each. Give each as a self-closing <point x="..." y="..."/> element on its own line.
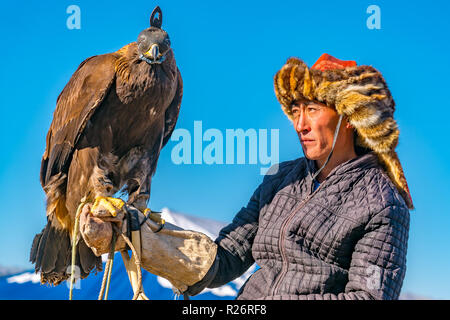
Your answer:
<point x="84" y="92"/>
<point x="172" y="111"/>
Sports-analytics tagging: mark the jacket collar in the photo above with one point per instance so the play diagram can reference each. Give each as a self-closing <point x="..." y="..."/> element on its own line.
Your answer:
<point x="360" y="163"/>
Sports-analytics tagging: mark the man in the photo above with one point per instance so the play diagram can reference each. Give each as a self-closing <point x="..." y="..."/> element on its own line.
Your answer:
<point x="332" y="225"/>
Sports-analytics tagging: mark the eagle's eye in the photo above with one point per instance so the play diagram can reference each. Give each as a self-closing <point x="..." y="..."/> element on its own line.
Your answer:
<point x="141" y="38"/>
<point x="167" y="41"/>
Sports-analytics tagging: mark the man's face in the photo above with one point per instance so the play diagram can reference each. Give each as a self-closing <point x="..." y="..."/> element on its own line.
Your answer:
<point x="315" y="124"/>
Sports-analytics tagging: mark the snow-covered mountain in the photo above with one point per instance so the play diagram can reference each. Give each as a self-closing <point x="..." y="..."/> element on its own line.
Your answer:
<point x="4" y="271"/>
<point x="412" y="296"/>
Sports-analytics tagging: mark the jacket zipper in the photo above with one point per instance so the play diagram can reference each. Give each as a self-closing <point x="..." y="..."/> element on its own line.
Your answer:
<point x="281" y="240"/>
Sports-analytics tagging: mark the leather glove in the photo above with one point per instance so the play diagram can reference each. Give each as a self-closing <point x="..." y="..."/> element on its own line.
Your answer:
<point x="181" y="256"/>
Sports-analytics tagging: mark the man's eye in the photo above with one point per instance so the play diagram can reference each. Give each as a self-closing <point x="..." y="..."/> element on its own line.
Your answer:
<point x="312" y="109"/>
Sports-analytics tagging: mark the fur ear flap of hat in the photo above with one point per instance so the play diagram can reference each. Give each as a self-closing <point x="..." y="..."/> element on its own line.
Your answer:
<point x="358" y="92"/>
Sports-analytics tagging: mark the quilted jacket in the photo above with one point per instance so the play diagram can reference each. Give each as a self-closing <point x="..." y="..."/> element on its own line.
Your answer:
<point x="347" y="239"/>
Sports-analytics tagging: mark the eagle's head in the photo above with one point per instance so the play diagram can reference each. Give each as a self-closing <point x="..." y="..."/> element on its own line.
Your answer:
<point x="153" y="43"/>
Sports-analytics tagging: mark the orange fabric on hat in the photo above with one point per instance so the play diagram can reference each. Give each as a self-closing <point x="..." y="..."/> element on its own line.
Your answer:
<point x="327" y="62"/>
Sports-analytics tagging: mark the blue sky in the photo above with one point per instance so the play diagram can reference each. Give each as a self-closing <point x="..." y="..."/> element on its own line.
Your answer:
<point x="228" y="53"/>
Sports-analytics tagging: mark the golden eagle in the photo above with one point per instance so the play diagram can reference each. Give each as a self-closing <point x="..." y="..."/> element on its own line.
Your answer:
<point x="112" y="119"/>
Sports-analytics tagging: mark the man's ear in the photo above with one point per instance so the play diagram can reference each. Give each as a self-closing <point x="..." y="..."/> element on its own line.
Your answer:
<point x="348" y="125"/>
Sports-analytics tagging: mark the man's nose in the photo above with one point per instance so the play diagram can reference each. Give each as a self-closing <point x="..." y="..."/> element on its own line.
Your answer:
<point x="302" y="123"/>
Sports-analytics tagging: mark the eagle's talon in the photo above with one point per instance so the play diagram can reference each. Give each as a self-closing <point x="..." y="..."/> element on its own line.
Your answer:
<point x="109" y="204"/>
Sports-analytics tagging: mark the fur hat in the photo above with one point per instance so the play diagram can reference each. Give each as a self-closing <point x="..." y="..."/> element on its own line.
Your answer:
<point x="357" y="92"/>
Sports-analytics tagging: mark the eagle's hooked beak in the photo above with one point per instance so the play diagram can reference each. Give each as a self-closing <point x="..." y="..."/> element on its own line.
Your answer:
<point x="153" y="55"/>
<point x="153" y="52"/>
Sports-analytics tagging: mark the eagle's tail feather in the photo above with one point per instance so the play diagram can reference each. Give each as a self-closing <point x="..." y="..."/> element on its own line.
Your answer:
<point x="51" y="253"/>
<point x="35" y="246"/>
<point x="87" y="259"/>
